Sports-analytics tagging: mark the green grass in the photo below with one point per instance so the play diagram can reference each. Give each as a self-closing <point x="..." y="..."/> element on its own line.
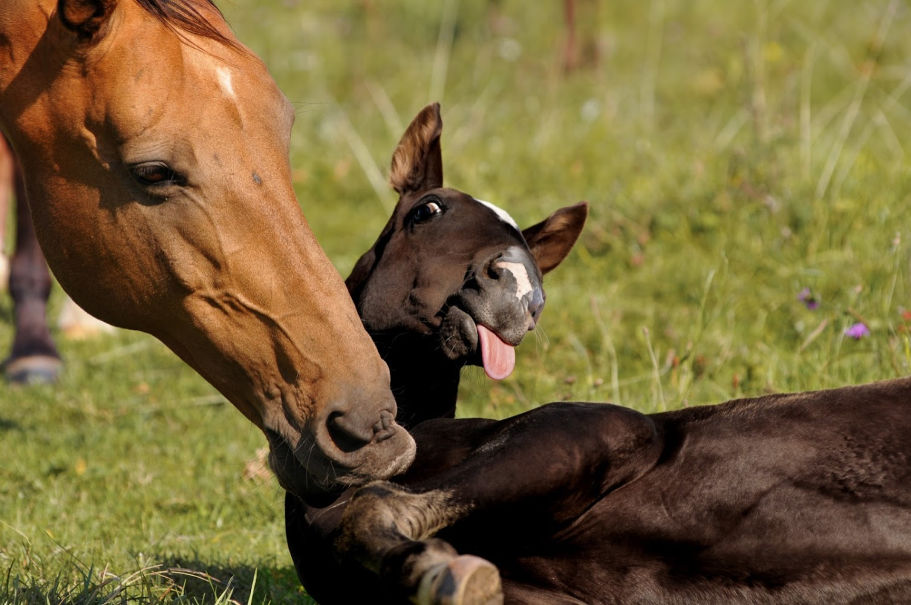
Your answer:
<point x="733" y="153"/>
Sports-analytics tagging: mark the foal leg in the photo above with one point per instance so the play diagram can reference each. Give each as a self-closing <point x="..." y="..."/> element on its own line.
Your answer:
<point x="34" y="358"/>
<point x="388" y="531"/>
<point x="533" y="473"/>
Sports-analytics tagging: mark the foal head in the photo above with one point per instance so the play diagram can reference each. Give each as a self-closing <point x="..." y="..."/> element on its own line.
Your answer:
<point x="455" y="271"/>
<point x="155" y="149"/>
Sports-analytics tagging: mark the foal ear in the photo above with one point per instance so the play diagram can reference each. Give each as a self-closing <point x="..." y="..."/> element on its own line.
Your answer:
<point x="85" y="17"/>
<point x="359" y="274"/>
<point x="552" y="239"/>
<point x="366" y="264"/>
<point x="417" y="164"/>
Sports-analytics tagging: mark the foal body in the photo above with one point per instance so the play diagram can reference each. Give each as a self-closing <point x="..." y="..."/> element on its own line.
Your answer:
<point x="785" y="498"/>
<point x="780" y="499"/>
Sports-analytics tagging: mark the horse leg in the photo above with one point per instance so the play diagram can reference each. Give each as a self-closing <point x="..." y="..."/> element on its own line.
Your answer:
<point x="581" y="46"/>
<point x="34" y="358"/>
<point x="7" y="184"/>
<point x="570" y="49"/>
<point x="531" y="473"/>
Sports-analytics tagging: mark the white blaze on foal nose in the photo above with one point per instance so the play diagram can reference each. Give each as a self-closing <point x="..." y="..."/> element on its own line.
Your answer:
<point x="498" y="357"/>
<point x="520" y="273"/>
<point x="518" y="270"/>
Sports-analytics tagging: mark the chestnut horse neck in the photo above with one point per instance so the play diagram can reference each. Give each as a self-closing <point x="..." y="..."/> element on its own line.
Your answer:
<point x="155" y="151"/>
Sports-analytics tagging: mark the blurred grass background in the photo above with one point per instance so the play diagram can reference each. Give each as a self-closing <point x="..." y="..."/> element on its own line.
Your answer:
<point x="734" y="154"/>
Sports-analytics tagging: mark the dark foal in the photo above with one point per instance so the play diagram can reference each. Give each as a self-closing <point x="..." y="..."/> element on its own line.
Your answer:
<point x="450" y="281"/>
<point x="785" y="498"/>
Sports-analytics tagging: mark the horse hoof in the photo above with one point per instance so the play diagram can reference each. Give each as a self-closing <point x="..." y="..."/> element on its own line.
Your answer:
<point x="36" y="369"/>
<point x="465" y="580"/>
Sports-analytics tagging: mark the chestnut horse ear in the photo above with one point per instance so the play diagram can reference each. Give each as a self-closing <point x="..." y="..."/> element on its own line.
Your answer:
<point x="85" y="17"/>
<point x="552" y="239"/>
<point x="417" y="164"/>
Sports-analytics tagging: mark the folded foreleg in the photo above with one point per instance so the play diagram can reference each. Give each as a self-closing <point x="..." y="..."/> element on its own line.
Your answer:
<point x="389" y="530"/>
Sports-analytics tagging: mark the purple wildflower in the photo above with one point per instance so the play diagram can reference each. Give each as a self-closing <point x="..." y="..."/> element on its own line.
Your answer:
<point x="806" y="297"/>
<point x="857" y="331"/>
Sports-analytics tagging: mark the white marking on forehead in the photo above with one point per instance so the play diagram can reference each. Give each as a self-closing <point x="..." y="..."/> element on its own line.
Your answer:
<point x="504" y="216"/>
<point x="224" y="79"/>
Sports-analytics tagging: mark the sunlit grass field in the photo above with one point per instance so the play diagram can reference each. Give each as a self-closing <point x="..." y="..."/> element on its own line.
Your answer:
<point x="747" y="168"/>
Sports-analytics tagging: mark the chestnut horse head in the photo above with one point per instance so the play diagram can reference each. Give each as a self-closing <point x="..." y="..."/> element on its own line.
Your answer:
<point x="155" y="150"/>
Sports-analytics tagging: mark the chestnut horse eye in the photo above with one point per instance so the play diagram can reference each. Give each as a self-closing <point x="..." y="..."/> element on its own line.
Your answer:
<point x="152" y="174"/>
<point x="426" y="211"/>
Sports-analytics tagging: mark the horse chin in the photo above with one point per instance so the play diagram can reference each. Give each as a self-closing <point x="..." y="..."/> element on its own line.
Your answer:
<point x="312" y="475"/>
<point x="458" y="336"/>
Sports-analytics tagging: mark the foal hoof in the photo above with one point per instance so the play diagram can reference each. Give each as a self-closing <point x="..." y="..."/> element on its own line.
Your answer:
<point x="465" y="580"/>
<point x="35" y="369"/>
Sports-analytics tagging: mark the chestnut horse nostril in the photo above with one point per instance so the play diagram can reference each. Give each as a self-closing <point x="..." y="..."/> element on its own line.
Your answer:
<point x="384" y="427"/>
<point x="387" y="419"/>
<point x="349" y="434"/>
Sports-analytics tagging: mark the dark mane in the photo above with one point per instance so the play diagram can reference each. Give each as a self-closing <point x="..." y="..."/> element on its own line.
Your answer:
<point x="182" y="15"/>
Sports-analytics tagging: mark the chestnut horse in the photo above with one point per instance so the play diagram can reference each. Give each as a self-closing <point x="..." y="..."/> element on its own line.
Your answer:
<point x="155" y="152"/>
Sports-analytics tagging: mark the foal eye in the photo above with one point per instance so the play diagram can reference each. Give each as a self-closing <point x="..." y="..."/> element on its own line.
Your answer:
<point x="426" y="211"/>
<point x="155" y="174"/>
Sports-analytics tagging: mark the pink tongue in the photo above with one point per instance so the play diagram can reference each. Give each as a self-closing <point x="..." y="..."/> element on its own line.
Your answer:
<point x="499" y="358"/>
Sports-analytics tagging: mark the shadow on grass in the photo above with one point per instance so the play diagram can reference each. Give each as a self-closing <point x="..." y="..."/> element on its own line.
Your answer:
<point x="176" y="580"/>
<point x="199" y="581"/>
<point x="9" y="425"/>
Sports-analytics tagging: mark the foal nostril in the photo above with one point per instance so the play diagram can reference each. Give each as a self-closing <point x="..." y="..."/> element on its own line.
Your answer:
<point x="536" y="305"/>
<point x="494" y="271"/>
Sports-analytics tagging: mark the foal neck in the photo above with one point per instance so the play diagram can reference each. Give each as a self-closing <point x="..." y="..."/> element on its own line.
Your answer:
<point x="425" y="382"/>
